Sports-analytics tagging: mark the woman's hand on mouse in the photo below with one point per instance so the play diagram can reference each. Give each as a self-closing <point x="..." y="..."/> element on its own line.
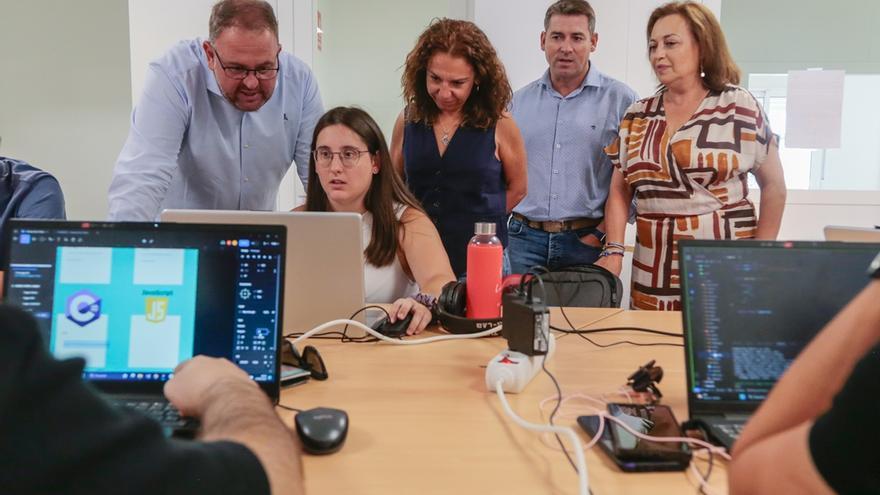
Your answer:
<point x="421" y="314"/>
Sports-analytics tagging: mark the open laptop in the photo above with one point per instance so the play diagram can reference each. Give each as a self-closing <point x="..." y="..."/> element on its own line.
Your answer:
<point x="852" y="234"/>
<point x="325" y="261"/>
<point x="748" y="309"/>
<point x="136" y="299"/>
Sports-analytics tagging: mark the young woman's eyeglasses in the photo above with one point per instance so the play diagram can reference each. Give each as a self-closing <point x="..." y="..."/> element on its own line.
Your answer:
<point x="309" y="360"/>
<point x="241" y="73"/>
<point x="348" y="156"/>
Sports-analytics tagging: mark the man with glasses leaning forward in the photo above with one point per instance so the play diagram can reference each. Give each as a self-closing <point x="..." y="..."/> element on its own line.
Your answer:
<point x="219" y="121"/>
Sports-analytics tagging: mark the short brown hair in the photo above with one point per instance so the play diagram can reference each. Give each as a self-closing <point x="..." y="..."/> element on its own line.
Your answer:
<point x="491" y="94"/>
<point x="715" y="58"/>
<point x="571" y="7"/>
<point x="252" y="15"/>
<point x="386" y="189"/>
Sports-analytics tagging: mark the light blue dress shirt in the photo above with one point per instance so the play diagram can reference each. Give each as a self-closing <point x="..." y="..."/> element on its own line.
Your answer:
<point x="189" y="147"/>
<point x="569" y="173"/>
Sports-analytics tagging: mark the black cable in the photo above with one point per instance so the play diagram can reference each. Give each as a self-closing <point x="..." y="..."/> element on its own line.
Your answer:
<point x="562" y="310"/>
<point x="619" y="342"/>
<point x="552" y="378"/>
<point x="575" y="330"/>
<point x="618" y="329"/>
<point x="345" y="337"/>
<point x="282" y="406"/>
<point x="555" y="409"/>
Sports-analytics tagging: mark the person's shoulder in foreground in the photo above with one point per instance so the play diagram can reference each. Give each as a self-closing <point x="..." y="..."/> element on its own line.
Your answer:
<point x="816" y="432"/>
<point x="59" y="436"/>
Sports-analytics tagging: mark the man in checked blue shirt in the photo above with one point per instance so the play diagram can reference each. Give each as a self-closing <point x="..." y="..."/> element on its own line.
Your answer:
<point x="566" y="118"/>
<point x="219" y="122"/>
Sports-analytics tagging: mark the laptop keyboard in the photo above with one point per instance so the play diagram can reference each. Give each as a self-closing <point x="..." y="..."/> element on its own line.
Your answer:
<point x="731" y="429"/>
<point x="162" y="412"/>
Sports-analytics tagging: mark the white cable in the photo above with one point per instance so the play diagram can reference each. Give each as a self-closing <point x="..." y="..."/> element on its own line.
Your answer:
<point x="428" y="340"/>
<point x="692" y="468"/>
<point x="583" y="480"/>
<point x="715" y="450"/>
<point x="704" y="484"/>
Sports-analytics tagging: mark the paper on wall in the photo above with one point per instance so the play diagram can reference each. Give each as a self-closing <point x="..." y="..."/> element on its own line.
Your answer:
<point x="813" y="108"/>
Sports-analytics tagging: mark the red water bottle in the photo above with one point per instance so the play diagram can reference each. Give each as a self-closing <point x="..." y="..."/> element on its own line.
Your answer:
<point x="484" y="260"/>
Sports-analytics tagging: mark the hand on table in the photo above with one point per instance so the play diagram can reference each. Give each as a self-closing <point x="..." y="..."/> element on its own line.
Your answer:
<point x="199" y="381"/>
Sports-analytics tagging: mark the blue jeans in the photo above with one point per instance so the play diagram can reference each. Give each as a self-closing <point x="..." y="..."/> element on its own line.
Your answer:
<point x="530" y="247"/>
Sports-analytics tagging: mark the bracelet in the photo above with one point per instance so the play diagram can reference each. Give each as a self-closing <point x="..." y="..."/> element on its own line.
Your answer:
<point x="606" y="252"/>
<point x="616" y="245"/>
<point x="426" y="300"/>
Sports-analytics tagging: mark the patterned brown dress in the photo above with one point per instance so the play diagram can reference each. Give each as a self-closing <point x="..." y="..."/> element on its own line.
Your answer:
<point x="691" y="185"/>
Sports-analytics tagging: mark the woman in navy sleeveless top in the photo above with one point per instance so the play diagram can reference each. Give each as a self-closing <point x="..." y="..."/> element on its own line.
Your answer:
<point x="462" y="155"/>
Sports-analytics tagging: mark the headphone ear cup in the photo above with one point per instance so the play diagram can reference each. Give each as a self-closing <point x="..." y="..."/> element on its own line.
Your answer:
<point x="445" y="301"/>
<point x="451" y="311"/>
<point x="459" y="299"/>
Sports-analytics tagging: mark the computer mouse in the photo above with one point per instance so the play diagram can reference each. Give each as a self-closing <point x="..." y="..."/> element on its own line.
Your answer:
<point x="396" y="329"/>
<point x="322" y="430"/>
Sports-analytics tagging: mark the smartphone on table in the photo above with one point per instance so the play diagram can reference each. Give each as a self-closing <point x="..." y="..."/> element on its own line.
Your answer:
<point x="633" y="454"/>
<point x="292" y="375"/>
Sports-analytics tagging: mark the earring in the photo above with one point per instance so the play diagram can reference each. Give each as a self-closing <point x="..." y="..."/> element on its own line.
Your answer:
<point x="375" y="170"/>
<point x="702" y="72"/>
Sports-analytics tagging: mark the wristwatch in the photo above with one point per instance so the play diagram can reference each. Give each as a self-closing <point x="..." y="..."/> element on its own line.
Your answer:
<point x="874" y="268"/>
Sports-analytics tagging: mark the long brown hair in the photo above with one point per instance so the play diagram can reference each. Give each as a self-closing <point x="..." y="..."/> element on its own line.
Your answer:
<point x="715" y="58"/>
<point x="491" y="92"/>
<point x="386" y="188"/>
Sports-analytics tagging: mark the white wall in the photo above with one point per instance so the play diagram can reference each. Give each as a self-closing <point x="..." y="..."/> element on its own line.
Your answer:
<point x="364" y="49"/>
<point x="808" y="212"/>
<point x="65" y="97"/>
<point x="152" y="31"/>
<point x="514" y="27"/>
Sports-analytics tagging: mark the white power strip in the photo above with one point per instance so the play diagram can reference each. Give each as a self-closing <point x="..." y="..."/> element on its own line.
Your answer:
<point x="515" y="370"/>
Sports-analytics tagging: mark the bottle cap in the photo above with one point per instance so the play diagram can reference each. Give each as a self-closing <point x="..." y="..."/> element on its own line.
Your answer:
<point x="484" y="228"/>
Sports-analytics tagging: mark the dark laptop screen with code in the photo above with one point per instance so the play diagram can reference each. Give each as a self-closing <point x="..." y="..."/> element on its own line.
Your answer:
<point x="750" y="307"/>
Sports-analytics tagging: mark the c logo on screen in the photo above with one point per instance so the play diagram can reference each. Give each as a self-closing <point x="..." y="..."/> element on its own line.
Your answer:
<point x="83" y="307"/>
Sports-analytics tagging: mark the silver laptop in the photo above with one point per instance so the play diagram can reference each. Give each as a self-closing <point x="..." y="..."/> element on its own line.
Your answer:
<point x="325" y="272"/>
<point x="748" y="309"/>
<point x="852" y="234"/>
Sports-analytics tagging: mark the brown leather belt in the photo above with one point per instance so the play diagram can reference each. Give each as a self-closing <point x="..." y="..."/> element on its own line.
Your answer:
<point x="556" y="226"/>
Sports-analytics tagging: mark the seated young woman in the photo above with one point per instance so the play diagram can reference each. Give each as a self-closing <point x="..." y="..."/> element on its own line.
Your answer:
<point x="350" y="171"/>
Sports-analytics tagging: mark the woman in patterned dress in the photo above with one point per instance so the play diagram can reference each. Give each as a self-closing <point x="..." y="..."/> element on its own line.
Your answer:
<point x="685" y="154"/>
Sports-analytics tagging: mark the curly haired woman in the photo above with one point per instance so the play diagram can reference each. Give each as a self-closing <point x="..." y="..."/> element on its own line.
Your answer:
<point x="460" y="152"/>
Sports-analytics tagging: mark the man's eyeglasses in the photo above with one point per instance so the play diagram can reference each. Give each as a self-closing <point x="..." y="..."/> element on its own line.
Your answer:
<point x="310" y="360"/>
<point x="241" y="73"/>
<point x="348" y="156"/>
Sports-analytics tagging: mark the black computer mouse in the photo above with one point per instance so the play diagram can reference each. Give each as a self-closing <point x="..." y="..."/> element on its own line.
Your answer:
<point x="322" y="430"/>
<point x="396" y="329"/>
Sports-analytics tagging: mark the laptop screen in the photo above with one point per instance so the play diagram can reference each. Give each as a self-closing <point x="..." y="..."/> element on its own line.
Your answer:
<point x="136" y="299"/>
<point x="750" y="307"/>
